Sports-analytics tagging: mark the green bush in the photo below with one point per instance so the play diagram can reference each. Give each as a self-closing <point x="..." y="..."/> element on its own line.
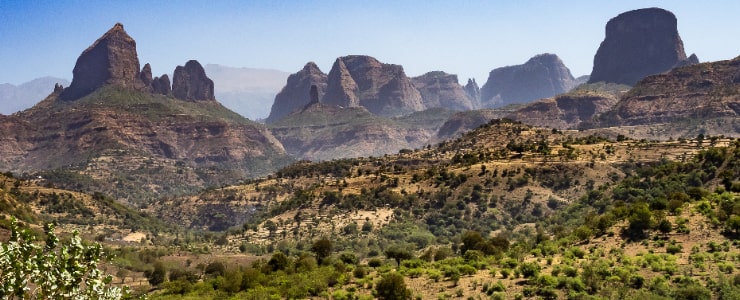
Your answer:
<point x="24" y="263"/>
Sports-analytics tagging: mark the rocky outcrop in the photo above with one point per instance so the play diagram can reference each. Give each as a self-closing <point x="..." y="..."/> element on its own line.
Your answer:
<point x="639" y="43"/>
<point x="161" y="85"/>
<point x="190" y="83"/>
<point x="439" y="89"/>
<point x="146" y="76"/>
<point x="296" y="93"/>
<point x="322" y="131"/>
<point x="111" y="60"/>
<point x="383" y="89"/>
<point x="461" y="122"/>
<point x="343" y="89"/>
<point x="542" y="76"/>
<point x="473" y="92"/>
<point x="566" y="111"/>
<point x="697" y="92"/>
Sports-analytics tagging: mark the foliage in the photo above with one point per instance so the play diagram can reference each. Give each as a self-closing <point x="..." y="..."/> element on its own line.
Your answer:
<point x="392" y="287"/>
<point x="68" y="270"/>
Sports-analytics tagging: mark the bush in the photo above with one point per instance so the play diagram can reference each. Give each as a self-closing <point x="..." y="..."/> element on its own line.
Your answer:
<point x="21" y="263"/>
<point x="529" y="269"/>
<point x="392" y="287"/>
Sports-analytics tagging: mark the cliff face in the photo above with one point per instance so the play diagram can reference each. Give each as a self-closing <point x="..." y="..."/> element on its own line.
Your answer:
<point x="697" y="92"/>
<point x="190" y="83"/>
<point x="382" y="89"/>
<point x="296" y="93"/>
<point x="112" y="59"/>
<point x="441" y="90"/>
<point x="542" y="76"/>
<point x="639" y="43"/>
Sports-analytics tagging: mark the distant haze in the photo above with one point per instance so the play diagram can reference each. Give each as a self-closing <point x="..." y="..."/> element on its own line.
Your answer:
<point x="249" y="92"/>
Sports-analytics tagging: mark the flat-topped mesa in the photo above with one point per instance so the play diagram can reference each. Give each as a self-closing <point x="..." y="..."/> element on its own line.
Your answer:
<point x="383" y="89"/>
<point x="639" y="43"/>
<point x="190" y="83"/>
<point x="296" y="92"/>
<point x="111" y="59"/>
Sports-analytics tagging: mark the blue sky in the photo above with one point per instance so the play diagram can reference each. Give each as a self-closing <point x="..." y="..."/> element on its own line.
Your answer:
<point x="468" y="38"/>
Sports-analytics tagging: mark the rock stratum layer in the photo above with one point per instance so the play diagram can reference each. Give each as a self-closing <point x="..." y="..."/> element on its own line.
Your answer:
<point x="697" y="92"/>
<point x="639" y="43"/>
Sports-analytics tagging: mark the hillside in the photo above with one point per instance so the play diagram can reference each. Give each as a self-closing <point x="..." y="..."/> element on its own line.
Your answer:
<point x="135" y="146"/>
<point x="521" y="210"/>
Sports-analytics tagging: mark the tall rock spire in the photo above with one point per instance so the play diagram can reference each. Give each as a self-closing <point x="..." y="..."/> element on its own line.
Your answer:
<point x="111" y="59"/>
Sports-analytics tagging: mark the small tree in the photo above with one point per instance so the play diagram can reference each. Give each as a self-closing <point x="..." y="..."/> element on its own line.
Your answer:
<point x="322" y="248"/>
<point x="69" y="271"/>
<point x="157" y="275"/>
<point x="392" y="287"/>
<point x="398" y="253"/>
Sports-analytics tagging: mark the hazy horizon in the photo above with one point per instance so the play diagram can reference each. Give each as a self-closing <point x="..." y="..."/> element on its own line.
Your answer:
<point x="468" y="39"/>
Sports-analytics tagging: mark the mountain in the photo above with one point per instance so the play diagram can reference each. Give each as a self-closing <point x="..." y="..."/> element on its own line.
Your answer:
<point x="16" y="98"/>
<point x="542" y="76"/>
<point x="110" y="132"/>
<point x="693" y="93"/>
<point x="439" y="89"/>
<point x="639" y="43"/>
<point x="322" y="131"/>
<point x="383" y="89"/>
<point x="569" y="110"/>
<point x="295" y="93"/>
<point x="247" y="91"/>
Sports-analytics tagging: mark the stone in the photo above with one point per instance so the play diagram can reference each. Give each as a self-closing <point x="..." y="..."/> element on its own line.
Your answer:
<point x="383" y="89"/>
<point x="542" y="76"/>
<point x="638" y="43"/>
<point x="296" y="92"/>
<point x="439" y="89"/>
<point x="190" y="83"/>
<point x="161" y="85"/>
<point x="473" y="92"/>
<point x="111" y="59"/>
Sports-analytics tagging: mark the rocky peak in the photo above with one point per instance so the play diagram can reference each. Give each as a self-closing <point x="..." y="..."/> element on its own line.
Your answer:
<point x="341" y="89"/>
<point x="111" y="59"/>
<point x="384" y="89"/>
<point x="540" y="77"/>
<point x="473" y="92"/>
<point x="190" y="83"/>
<point x="297" y="91"/>
<point x="638" y="43"/>
<point x="161" y="85"/>
<point x="439" y="89"/>
<point x="146" y="75"/>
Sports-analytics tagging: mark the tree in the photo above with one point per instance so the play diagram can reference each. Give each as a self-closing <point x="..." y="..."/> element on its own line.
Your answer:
<point x="392" y="287"/>
<point x="322" y="248"/>
<point x="68" y="271"/>
<point x="398" y="253"/>
<point x="157" y="275"/>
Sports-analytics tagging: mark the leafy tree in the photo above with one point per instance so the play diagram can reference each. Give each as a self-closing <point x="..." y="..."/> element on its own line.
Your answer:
<point x="322" y="248"/>
<point x="392" y="287"/>
<point x="278" y="261"/>
<point x="157" y="275"/>
<point x="398" y="253"/>
<point x="53" y="271"/>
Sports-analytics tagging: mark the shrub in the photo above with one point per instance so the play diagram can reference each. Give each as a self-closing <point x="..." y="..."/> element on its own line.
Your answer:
<point x="24" y="263"/>
<point x="392" y="287"/>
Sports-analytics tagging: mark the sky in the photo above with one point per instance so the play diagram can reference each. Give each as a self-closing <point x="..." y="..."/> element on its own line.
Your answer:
<point x="469" y="38"/>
